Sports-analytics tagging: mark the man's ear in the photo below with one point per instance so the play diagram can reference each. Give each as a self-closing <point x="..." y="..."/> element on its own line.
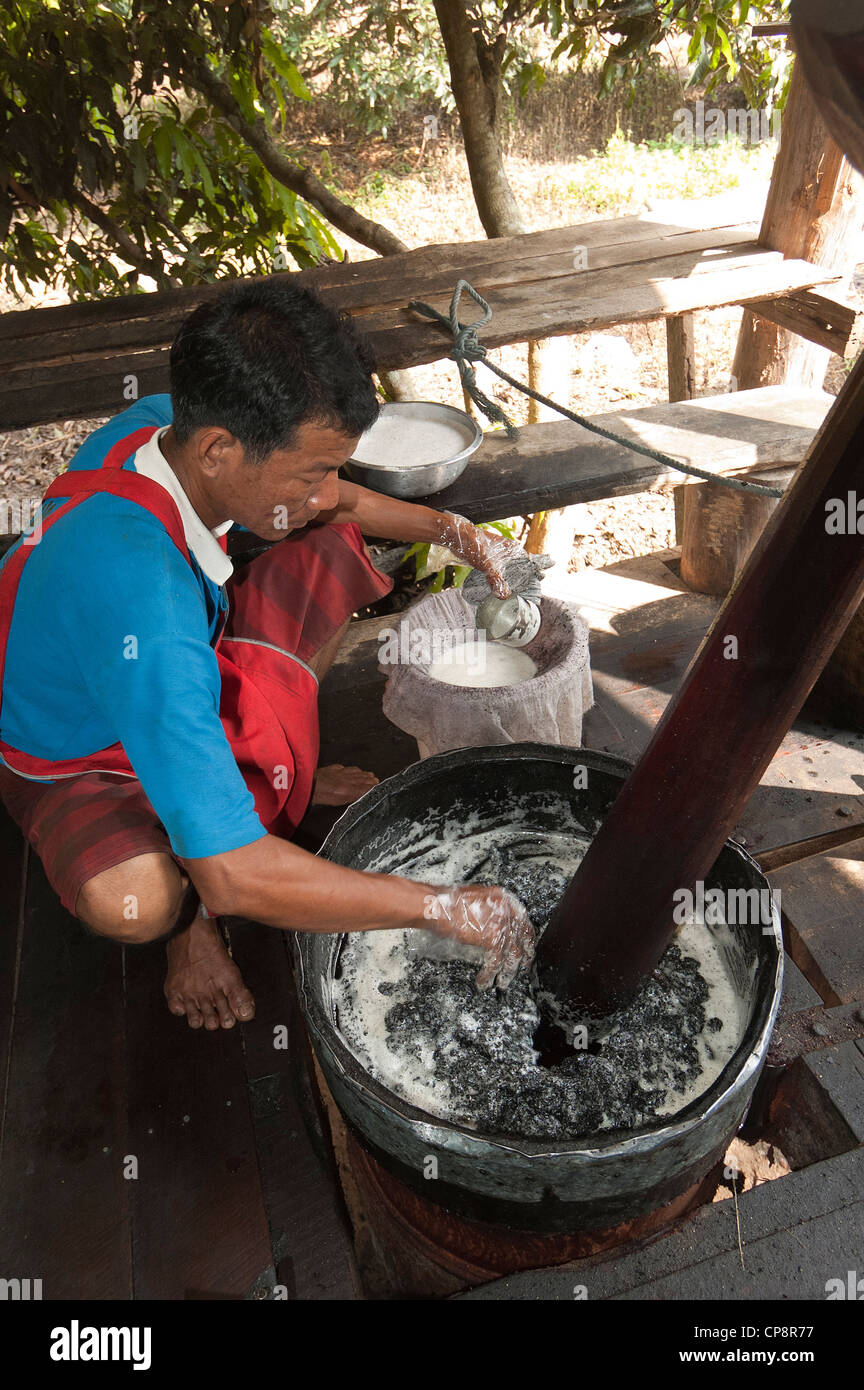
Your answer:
<point x="218" y="449"/>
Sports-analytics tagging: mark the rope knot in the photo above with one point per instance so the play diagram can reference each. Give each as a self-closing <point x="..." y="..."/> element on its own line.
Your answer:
<point x="467" y="348"/>
<point x="466" y="344"/>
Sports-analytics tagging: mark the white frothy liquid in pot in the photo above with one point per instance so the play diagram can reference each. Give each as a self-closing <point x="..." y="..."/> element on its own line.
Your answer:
<point x="376" y="986"/>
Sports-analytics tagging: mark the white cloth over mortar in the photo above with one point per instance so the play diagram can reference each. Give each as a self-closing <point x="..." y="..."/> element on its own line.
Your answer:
<point x="546" y="709"/>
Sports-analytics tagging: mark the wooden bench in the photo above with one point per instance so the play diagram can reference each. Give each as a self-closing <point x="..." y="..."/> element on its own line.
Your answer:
<point x="556" y="464"/>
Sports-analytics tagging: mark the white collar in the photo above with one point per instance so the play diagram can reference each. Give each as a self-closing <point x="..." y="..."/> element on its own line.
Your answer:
<point x="150" y="462"/>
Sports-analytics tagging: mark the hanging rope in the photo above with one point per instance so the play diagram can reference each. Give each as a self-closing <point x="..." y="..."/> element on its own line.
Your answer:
<point x="468" y="349"/>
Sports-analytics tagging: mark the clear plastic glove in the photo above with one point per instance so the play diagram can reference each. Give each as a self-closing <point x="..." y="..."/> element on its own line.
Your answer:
<point x="489" y="917"/>
<point x="487" y="551"/>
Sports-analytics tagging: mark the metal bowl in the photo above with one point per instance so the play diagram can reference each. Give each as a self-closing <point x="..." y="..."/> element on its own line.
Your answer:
<point x="373" y="468"/>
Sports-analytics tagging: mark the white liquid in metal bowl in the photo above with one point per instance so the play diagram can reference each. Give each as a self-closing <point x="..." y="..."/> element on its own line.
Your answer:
<point x="395" y="442"/>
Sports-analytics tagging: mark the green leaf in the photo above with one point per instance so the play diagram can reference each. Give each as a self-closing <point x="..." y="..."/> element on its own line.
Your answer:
<point x="163" y="149"/>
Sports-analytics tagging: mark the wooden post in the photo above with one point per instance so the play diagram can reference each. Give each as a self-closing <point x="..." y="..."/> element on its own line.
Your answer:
<point x="550" y="533"/>
<point x="720" y="526"/>
<point x="814" y="211"/>
<point x="741" y="693"/>
<point x="681" y="357"/>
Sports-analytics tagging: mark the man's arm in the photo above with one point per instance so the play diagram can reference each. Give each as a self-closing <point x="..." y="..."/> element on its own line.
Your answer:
<point x="394" y="520"/>
<point x="387" y="517"/>
<point x="275" y="882"/>
<point x="281" y="885"/>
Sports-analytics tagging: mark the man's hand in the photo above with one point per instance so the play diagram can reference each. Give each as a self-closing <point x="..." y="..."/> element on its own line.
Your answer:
<point x="488" y="917"/>
<point x="487" y="551"/>
<point x="394" y="519"/>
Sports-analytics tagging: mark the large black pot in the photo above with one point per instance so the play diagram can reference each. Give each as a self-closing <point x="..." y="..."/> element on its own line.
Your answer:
<point x="532" y="1184"/>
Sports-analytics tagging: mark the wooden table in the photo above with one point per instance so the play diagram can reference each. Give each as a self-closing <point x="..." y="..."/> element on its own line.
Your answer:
<point x="87" y="359"/>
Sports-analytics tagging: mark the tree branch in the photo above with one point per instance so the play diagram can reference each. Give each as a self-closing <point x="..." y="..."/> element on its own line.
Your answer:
<point x="129" y="249"/>
<point x="291" y="175"/>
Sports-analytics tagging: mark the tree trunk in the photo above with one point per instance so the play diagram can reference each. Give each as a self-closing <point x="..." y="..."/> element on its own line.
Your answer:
<point x="198" y="76"/>
<point x="476" y="95"/>
<point x="814" y="211"/>
<point x="475" y="79"/>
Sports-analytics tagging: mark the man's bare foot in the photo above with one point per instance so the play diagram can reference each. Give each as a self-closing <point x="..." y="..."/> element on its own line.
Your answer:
<point x="202" y="980"/>
<point x="337" y="785"/>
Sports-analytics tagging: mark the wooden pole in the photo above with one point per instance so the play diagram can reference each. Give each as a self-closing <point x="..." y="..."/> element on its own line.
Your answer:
<point x="740" y="695"/>
<point x="681" y="357"/>
<point x="720" y="526"/>
<point x="550" y="532"/>
<point x="814" y="211"/>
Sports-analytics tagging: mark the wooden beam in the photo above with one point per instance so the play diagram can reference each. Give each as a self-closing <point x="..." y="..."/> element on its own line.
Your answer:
<point x="681" y="357"/>
<point x="808" y="314"/>
<point x="814" y="211"/>
<point x="782" y="855"/>
<point x="741" y="693"/>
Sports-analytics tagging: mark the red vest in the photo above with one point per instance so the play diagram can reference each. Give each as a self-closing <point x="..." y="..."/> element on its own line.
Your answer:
<point x="269" y="701"/>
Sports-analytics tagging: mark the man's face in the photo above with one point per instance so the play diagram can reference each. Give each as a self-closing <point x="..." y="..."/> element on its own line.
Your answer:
<point x="286" y="491"/>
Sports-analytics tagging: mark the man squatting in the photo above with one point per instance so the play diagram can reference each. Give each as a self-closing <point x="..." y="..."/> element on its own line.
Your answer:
<point x="158" y="708"/>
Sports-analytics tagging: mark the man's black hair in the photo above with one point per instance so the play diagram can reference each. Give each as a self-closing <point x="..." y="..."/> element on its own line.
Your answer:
<point x="265" y="357"/>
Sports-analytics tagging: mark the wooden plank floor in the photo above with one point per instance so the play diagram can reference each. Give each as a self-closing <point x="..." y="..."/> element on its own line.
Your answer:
<point x="64" y="1203"/>
<point x="823" y="899"/>
<point x="796" y="1234"/>
<point x="140" y="1159"/>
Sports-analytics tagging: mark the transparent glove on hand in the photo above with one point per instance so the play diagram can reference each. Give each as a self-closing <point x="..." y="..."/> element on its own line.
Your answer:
<point x="522" y="572"/>
<point x="489" y="917"/>
<point x="485" y="551"/>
